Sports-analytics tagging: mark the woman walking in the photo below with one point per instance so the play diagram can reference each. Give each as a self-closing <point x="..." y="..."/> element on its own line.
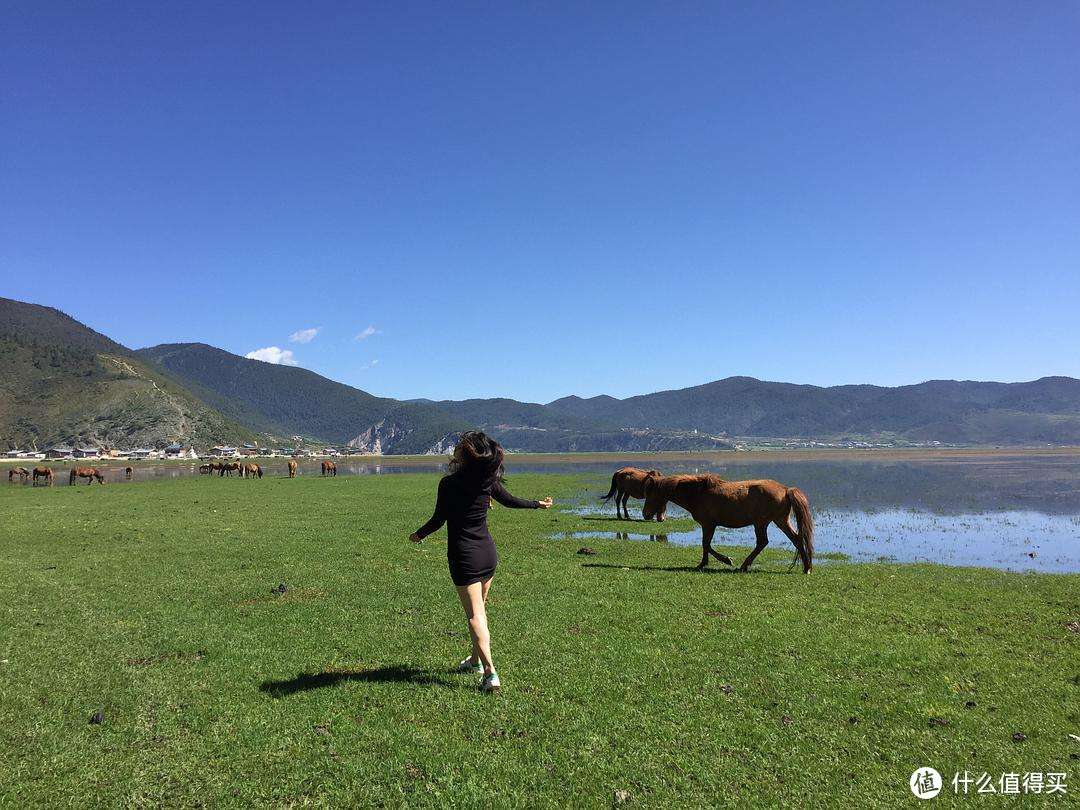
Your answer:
<point x="465" y="493"/>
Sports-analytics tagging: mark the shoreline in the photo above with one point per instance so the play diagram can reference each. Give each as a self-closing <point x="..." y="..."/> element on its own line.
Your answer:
<point x="729" y="456"/>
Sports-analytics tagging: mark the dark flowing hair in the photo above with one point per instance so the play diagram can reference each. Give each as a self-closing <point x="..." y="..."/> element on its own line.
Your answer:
<point x="483" y="458"/>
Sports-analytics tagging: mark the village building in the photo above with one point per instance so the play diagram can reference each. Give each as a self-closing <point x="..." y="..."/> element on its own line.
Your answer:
<point x="61" y="451"/>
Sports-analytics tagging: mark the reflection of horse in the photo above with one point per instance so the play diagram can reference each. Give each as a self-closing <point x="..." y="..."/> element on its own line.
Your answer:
<point x="713" y="502"/>
<point x="292" y="469"/>
<point x="22" y="472"/>
<point x="89" y="473"/>
<point x="655" y="538"/>
<point x="251" y="470"/>
<point x="329" y="468"/>
<point x="228" y="468"/>
<point x="43" y="472"/>
<point x="129" y="472"/>
<point x="627" y="483"/>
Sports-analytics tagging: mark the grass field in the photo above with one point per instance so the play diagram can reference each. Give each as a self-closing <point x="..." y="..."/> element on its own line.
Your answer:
<point x="627" y="676"/>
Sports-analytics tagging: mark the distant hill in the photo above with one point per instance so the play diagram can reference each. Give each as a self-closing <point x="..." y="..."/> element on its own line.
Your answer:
<point x="291" y="400"/>
<point x="1045" y="410"/>
<point x="62" y="382"/>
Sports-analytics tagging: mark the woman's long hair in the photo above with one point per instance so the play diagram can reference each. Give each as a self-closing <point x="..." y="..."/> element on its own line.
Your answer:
<point x="481" y="459"/>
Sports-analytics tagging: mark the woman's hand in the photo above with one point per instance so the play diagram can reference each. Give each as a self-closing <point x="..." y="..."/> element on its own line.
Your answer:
<point x="416" y="538"/>
<point x="545" y="504"/>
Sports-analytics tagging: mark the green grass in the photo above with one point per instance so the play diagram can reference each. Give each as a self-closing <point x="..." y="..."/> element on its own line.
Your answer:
<point x="153" y="603"/>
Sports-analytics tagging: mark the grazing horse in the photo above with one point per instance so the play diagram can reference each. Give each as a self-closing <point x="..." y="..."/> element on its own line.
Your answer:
<point x="22" y="472"/>
<point x="43" y="472"/>
<point x="292" y="469"/>
<point x="89" y="473"/>
<point x="228" y="468"/>
<point x="627" y="483"/>
<point x="329" y="468"/>
<point x="206" y="469"/>
<point x="251" y="470"/>
<point x="713" y="502"/>
<point x="128" y="473"/>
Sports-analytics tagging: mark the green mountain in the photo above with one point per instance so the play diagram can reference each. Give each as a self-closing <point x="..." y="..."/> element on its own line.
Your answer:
<point x="960" y="412"/>
<point x="290" y="400"/>
<point x="62" y="382"/>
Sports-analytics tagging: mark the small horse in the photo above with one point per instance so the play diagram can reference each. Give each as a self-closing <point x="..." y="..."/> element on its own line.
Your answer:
<point x="292" y="469"/>
<point x="22" y="472"/>
<point x="43" y="472"/>
<point x="713" y="502"/>
<point x="89" y="473"/>
<point x="329" y="468"/>
<point x="251" y="470"/>
<point x="128" y="473"/>
<point x="228" y="468"/>
<point x="206" y="469"/>
<point x="627" y="483"/>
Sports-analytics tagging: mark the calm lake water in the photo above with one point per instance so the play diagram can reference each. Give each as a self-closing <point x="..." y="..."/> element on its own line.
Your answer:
<point x="1012" y="510"/>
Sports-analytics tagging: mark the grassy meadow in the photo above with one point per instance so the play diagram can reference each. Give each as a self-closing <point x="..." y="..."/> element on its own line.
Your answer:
<point x="628" y="677"/>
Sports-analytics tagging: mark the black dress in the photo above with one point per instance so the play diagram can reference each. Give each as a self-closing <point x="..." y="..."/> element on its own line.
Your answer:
<point x="463" y="504"/>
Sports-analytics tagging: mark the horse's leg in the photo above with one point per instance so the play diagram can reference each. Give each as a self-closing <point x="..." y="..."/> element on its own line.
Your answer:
<point x="796" y="541"/>
<point x="706" y="545"/>
<point x="625" y="496"/>
<point x="762" y="531"/>
<point x="725" y="559"/>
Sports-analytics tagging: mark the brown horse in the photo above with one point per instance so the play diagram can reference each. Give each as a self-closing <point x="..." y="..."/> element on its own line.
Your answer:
<point x="713" y="502"/>
<point x="43" y="472"/>
<point x="329" y="468"/>
<point x="228" y="468"/>
<point x="89" y="473"/>
<point x="292" y="469"/>
<point x="627" y="483"/>
<point x="206" y="469"/>
<point x="128" y="473"/>
<point x="251" y="470"/>
<point x="22" y="472"/>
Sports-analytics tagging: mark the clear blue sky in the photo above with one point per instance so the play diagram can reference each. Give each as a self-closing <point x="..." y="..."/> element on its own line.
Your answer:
<point x="535" y="201"/>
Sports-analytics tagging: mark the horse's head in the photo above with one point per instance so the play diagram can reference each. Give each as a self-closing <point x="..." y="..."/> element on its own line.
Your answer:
<point x="656" y="497"/>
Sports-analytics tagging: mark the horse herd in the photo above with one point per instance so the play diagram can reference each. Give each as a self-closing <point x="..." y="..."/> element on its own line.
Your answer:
<point x="223" y="468"/>
<point x="713" y="501"/>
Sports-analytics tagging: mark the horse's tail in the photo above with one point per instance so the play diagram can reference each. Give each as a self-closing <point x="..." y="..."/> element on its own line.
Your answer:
<point x="805" y="522"/>
<point x="71" y="478"/>
<point x="614" y="488"/>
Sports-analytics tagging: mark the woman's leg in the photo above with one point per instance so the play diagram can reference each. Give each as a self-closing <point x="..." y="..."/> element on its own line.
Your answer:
<point x="472" y="599"/>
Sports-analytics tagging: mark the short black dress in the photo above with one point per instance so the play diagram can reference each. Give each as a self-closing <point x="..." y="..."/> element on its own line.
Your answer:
<point x="462" y="504"/>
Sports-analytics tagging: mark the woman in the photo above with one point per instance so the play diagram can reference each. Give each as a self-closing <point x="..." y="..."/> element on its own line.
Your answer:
<point x="465" y="493"/>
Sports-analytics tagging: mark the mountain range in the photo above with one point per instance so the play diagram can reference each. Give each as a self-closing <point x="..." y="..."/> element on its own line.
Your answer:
<point x="61" y="381"/>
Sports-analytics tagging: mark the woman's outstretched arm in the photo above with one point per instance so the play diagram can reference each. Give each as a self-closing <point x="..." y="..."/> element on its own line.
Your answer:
<point x="499" y="493"/>
<point x="438" y="518"/>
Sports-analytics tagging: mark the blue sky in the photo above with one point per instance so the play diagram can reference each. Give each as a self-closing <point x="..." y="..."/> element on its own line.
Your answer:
<point x="529" y="201"/>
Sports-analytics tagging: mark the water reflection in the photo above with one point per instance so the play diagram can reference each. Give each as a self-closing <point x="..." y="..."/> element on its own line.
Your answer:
<point x="1009" y="540"/>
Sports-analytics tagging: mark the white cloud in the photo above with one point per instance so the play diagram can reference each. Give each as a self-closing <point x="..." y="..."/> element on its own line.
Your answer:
<point x="370" y="365"/>
<point x="304" y="335"/>
<point x="272" y="354"/>
<point x="368" y="332"/>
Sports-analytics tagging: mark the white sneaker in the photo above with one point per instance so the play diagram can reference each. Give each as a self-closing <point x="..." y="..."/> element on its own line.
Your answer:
<point x="490" y="683"/>
<point x="470" y="667"/>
